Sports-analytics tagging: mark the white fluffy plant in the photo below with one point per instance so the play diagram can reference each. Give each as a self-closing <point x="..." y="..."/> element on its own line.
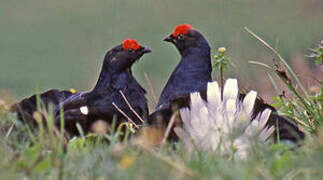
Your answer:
<point x="223" y="126"/>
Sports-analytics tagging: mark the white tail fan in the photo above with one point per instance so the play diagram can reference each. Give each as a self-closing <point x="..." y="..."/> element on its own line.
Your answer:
<point x="224" y="126"/>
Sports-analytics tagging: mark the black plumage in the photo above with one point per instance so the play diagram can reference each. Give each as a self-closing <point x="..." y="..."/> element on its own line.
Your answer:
<point x="115" y="76"/>
<point x="26" y="107"/>
<point x="193" y="73"/>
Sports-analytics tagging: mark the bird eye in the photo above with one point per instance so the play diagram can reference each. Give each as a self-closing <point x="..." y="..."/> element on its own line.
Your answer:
<point x="180" y="37"/>
<point x="131" y="50"/>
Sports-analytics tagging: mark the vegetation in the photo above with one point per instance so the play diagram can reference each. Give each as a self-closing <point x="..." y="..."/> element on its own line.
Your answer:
<point x="44" y="153"/>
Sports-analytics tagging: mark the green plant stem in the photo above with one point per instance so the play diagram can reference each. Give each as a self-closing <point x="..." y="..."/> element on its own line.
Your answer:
<point x="308" y="109"/>
<point x="308" y="103"/>
<point x="282" y="60"/>
<point x="221" y="80"/>
<point x="273" y="83"/>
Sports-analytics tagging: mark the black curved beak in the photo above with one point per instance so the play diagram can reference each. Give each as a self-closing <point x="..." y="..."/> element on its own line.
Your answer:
<point x="169" y="38"/>
<point x="146" y="50"/>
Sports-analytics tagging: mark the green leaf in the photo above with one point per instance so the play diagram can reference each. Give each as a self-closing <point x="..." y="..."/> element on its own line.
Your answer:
<point x="278" y="102"/>
<point x="44" y="165"/>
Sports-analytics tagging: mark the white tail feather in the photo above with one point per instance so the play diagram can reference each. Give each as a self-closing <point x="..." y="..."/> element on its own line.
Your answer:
<point x="212" y="124"/>
<point x="230" y="90"/>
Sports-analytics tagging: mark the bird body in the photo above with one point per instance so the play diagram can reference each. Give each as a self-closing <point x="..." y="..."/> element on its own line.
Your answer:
<point x="189" y="76"/>
<point x="26" y="107"/>
<point x="115" y="78"/>
<point x="99" y="101"/>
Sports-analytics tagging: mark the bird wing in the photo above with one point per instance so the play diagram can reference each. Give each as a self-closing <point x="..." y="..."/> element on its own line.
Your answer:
<point x="73" y="102"/>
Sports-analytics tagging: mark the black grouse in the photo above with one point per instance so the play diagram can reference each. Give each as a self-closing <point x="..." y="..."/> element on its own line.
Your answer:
<point x="116" y="75"/>
<point x="86" y="107"/>
<point x="192" y="75"/>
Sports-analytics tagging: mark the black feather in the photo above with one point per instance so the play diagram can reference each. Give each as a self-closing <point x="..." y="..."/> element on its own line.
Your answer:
<point x="28" y="106"/>
<point x="115" y="76"/>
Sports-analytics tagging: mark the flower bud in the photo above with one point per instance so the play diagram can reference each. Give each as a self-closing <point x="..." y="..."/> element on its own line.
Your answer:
<point x="222" y="49"/>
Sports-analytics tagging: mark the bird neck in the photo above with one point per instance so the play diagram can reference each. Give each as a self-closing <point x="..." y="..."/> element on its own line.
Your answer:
<point x="109" y="80"/>
<point x="191" y="75"/>
<point x="196" y="61"/>
<point x="194" y="70"/>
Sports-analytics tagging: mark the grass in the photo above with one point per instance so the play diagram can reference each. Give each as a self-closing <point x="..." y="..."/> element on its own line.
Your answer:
<point x="307" y="108"/>
<point x="92" y="158"/>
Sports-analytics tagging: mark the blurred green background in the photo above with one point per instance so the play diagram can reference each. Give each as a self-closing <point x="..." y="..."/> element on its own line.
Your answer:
<point x="61" y="43"/>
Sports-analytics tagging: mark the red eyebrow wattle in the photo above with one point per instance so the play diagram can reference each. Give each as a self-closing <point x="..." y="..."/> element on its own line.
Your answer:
<point x="181" y="29"/>
<point x="130" y="44"/>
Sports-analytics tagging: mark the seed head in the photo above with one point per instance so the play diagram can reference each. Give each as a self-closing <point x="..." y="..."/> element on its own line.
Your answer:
<point x="100" y="127"/>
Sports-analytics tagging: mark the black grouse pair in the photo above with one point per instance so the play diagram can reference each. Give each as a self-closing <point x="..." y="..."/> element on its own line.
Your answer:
<point x="191" y="75"/>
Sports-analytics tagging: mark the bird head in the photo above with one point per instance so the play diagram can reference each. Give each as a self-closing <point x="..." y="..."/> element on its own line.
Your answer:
<point x="185" y="37"/>
<point x="124" y="55"/>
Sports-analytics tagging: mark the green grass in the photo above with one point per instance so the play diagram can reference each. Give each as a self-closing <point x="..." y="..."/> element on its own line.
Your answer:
<point x="94" y="158"/>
